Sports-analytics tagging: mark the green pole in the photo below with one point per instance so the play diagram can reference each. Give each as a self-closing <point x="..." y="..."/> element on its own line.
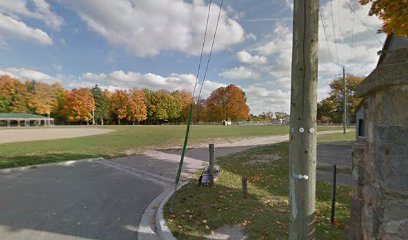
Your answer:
<point x="190" y="113"/>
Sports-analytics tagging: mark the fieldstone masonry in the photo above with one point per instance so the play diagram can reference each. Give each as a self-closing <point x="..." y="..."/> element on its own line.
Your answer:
<point x="380" y="154"/>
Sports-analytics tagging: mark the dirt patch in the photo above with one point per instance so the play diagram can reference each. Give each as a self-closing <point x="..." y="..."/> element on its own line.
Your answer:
<point x="232" y="232"/>
<point x="24" y="135"/>
<point x="261" y="160"/>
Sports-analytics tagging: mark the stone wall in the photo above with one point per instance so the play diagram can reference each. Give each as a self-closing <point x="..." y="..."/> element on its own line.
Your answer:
<point x="380" y="167"/>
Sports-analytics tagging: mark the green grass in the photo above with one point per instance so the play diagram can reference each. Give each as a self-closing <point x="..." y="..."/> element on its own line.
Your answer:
<point x="265" y="213"/>
<point x="124" y="139"/>
<point x="338" y="137"/>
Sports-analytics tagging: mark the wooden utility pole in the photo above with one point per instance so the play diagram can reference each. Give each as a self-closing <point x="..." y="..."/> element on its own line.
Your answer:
<point x="302" y="144"/>
<point x="344" y="102"/>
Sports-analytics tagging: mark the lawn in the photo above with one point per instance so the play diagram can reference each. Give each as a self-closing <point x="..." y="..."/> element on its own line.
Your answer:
<point x="265" y="213"/>
<point x="124" y="140"/>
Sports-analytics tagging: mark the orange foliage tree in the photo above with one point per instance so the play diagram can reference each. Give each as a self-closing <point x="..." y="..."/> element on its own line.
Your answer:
<point x="136" y="109"/>
<point x="45" y="98"/>
<point x="119" y="101"/>
<point x="14" y="95"/>
<point x="79" y="105"/>
<point x="227" y="103"/>
<point x="393" y="13"/>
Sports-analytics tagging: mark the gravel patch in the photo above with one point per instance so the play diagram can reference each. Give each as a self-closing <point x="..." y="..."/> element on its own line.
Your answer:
<point x="24" y="135"/>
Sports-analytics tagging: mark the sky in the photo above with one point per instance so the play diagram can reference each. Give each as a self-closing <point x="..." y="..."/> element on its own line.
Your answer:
<point x="124" y="44"/>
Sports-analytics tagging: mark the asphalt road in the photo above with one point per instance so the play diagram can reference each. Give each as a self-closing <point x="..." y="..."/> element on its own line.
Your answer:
<point x="88" y="199"/>
<point x="95" y="199"/>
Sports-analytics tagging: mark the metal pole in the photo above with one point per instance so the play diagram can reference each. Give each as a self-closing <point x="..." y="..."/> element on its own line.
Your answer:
<point x="344" y="102"/>
<point x="211" y="165"/>
<point x="333" y="203"/>
<point x="302" y="143"/>
<point x="173" y="200"/>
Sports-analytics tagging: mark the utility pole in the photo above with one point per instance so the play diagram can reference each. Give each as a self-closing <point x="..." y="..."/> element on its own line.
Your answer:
<point x="302" y="143"/>
<point x="344" y="102"/>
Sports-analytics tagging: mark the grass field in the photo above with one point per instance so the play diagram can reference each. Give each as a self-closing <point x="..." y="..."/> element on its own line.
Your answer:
<point x="124" y="140"/>
<point x="265" y="213"/>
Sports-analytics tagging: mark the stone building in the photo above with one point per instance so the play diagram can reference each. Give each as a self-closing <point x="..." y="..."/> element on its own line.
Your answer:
<point x="380" y="154"/>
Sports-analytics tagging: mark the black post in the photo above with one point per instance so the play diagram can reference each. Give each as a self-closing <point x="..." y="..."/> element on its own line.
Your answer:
<point x="244" y="186"/>
<point x="333" y="204"/>
<point x="211" y="166"/>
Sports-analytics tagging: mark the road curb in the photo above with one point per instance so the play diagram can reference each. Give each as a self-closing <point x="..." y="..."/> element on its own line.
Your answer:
<point x="62" y="163"/>
<point x="161" y="227"/>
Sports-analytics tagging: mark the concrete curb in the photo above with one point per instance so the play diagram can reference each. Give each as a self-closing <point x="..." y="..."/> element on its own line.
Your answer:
<point x="62" y="163"/>
<point x="147" y="230"/>
<point x="162" y="230"/>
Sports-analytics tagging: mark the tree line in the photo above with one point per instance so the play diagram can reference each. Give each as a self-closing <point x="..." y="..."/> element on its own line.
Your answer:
<point x="97" y="106"/>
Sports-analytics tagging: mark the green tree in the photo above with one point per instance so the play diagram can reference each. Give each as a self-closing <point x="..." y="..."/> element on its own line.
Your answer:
<point x="14" y="95"/>
<point x="331" y="108"/>
<point x="102" y="104"/>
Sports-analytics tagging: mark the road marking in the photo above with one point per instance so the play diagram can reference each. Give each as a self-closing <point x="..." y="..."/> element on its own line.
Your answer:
<point x="162" y="180"/>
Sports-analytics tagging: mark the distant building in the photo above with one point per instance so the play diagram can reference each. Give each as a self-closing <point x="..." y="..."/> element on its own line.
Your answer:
<point x="380" y="154"/>
<point x="24" y="120"/>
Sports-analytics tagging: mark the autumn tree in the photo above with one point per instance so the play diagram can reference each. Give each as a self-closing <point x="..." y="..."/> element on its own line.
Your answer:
<point x="393" y="13"/>
<point x="183" y="100"/>
<point x="227" y="103"/>
<point x="136" y="109"/>
<point x="101" y="112"/>
<point x="14" y="96"/>
<point x="118" y="102"/>
<point x="200" y="111"/>
<point x="45" y="98"/>
<point x="331" y="108"/>
<point x="79" y="105"/>
<point x="7" y="90"/>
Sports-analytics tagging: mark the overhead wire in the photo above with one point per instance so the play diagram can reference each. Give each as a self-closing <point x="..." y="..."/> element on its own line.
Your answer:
<point x="363" y="23"/>
<point x="339" y="26"/>
<point x="325" y="35"/>
<point x="211" y="50"/>
<point x="334" y="33"/>
<point x="202" y="49"/>
<point x="352" y="39"/>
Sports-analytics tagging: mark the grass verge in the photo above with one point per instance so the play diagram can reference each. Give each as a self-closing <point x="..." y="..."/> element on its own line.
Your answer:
<point x="124" y="140"/>
<point x="264" y="214"/>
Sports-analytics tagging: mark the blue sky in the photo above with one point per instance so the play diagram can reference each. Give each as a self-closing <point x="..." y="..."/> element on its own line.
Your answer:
<point x="121" y="44"/>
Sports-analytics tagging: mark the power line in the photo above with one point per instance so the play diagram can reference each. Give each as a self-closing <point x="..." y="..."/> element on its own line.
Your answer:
<point x="334" y="33"/>
<point x="361" y="21"/>
<point x="352" y="40"/>
<point x="211" y="50"/>
<point x="202" y="49"/>
<point x="339" y="25"/>
<point x="325" y="35"/>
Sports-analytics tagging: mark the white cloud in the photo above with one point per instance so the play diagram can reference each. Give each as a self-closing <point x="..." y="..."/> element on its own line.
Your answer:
<point x="128" y="80"/>
<point x="245" y="57"/>
<point x="350" y="44"/>
<point x="240" y="73"/>
<point x="29" y="74"/>
<point x="147" y="28"/>
<point x="12" y="25"/>
<point x="40" y="10"/>
<point x="18" y="29"/>
<point x="261" y="99"/>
